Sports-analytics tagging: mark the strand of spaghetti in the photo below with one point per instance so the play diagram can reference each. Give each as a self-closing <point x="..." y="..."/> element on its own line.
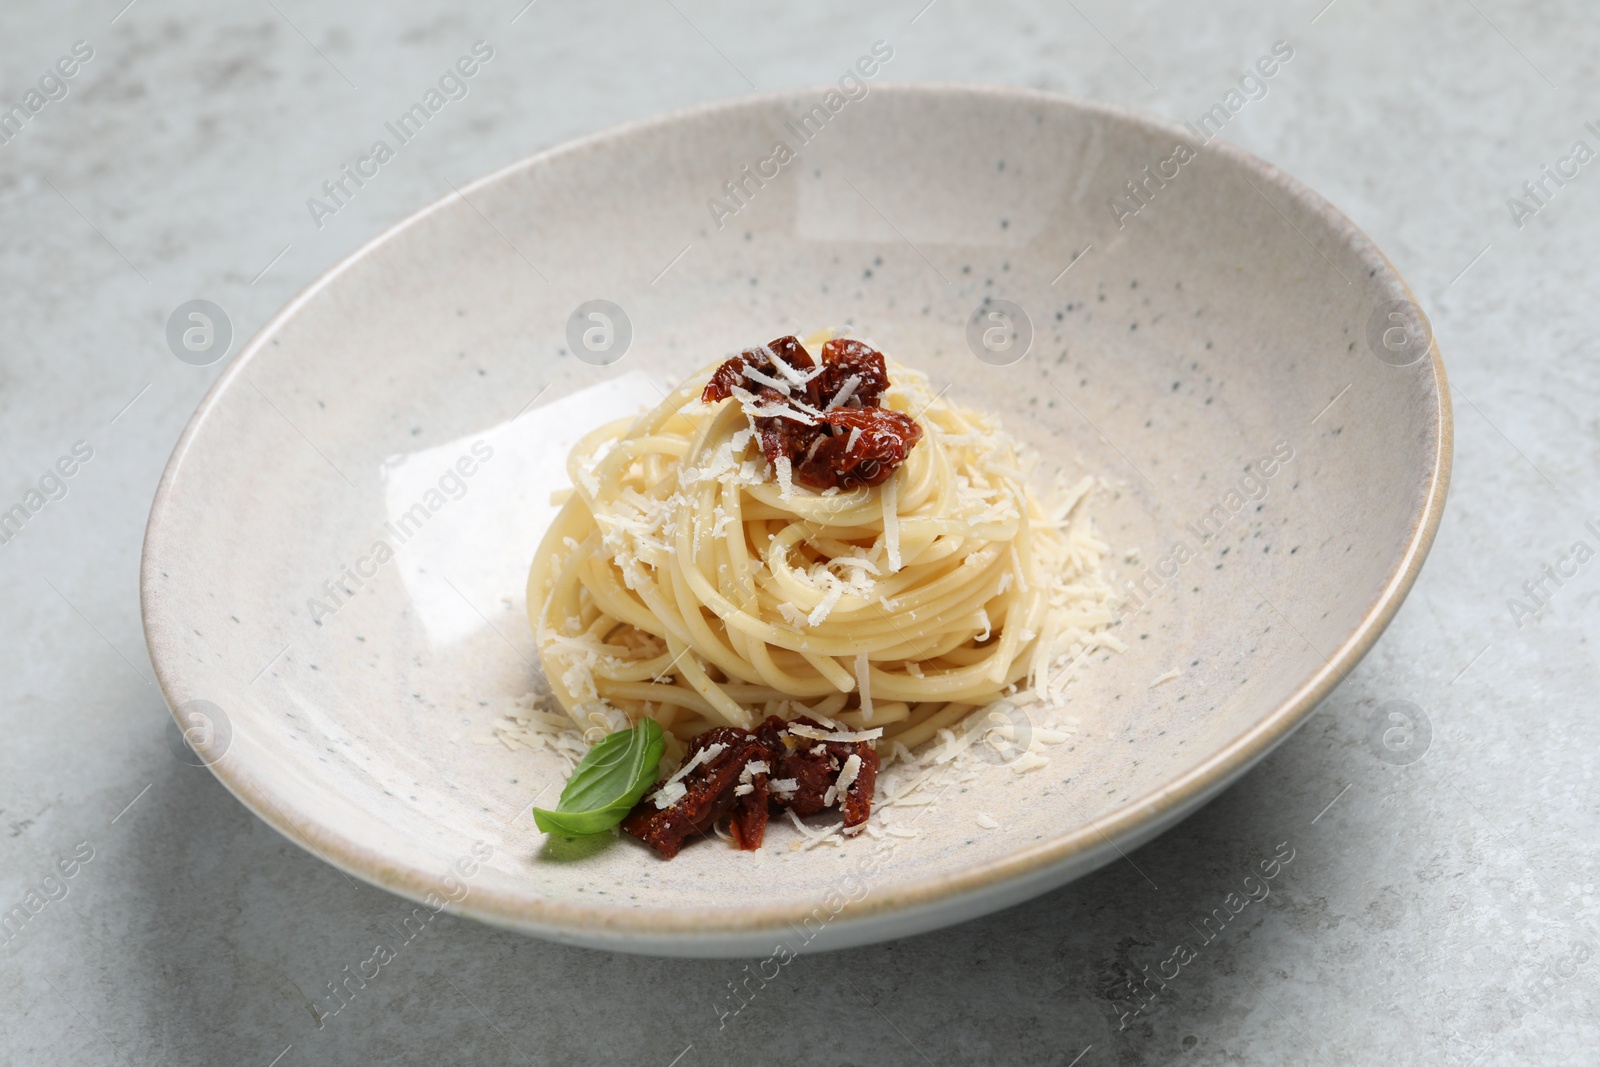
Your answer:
<point x="722" y="704"/>
<point x="674" y="695"/>
<point x="947" y="715"/>
<point x="822" y="682"/>
<point x="638" y="670"/>
<point x="841" y="680"/>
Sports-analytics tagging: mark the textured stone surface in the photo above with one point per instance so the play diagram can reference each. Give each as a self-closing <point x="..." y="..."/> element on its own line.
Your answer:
<point x="1423" y="911"/>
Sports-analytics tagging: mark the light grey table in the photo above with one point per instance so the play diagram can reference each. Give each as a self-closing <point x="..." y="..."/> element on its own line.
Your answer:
<point x="1437" y="911"/>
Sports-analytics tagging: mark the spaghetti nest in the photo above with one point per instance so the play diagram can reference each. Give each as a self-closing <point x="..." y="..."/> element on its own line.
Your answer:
<point x="689" y="580"/>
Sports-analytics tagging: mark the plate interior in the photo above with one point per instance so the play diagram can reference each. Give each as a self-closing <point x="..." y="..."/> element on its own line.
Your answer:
<point x="1189" y="343"/>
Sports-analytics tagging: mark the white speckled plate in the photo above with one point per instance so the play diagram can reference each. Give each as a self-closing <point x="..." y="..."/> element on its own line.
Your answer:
<point x="1223" y="323"/>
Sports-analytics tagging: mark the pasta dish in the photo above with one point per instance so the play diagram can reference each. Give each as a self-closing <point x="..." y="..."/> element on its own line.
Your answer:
<point x="821" y="557"/>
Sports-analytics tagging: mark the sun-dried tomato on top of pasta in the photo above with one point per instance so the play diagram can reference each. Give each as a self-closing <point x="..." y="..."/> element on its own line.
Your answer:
<point x="826" y="420"/>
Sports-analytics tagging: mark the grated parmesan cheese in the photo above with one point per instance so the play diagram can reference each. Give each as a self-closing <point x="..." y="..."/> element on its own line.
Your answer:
<point x="848" y="774"/>
<point x="891" y="524"/>
<point x="752" y="406"/>
<point x="841" y="785"/>
<point x="669" y="794"/>
<point x="829" y="599"/>
<point x="846" y="391"/>
<point x="1030" y="761"/>
<point x="756" y="376"/>
<point x="785" y="475"/>
<point x="814" y="837"/>
<point x="864" y="684"/>
<point x="1016" y="568"/>
<point x="841" y="736"/>
<point x="794" y="374"/>
<point x="793" y="615"/>
<point x="673" y="789"/>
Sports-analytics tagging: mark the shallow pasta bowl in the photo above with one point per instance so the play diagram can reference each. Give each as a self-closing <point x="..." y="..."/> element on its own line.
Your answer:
<point x="334" y="566"/>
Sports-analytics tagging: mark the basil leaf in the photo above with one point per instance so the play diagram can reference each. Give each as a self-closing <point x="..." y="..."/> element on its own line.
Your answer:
<point x="607" y="783"/>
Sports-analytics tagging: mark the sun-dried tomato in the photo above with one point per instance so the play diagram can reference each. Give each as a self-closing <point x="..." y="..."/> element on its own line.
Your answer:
<point x="822" y="447"/>
<point x="709" y="792"/>
<point x="749" y="822"/>
<point x="886" y="437"/>
<point x="843" y="359"/>
<point x="815" y="769"/>
<point x="812" y="773"/>
<point x="731" y="372"/>
<point x="712" y="788"/>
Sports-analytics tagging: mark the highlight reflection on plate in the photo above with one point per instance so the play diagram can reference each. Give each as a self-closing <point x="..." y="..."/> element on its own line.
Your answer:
<point x="489" y="491"/>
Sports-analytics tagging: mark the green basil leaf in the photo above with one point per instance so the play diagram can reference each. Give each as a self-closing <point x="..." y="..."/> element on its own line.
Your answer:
<point x="607" y="783"/>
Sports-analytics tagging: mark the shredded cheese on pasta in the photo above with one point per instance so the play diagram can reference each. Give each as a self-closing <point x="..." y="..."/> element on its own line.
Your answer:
<point x="687" y="579"/>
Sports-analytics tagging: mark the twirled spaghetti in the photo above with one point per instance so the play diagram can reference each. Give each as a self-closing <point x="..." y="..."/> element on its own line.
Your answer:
<point x="688" y="579"/>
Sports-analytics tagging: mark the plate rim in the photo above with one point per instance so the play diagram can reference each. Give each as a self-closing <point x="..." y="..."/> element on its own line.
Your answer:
<point x="702" y="927"/>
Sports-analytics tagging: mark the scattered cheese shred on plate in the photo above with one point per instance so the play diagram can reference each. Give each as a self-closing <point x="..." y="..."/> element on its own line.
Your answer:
<point x="1029" y="761"/>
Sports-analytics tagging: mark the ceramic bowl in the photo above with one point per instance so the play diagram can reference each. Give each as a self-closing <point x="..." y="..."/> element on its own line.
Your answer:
<point x="334" y="567"/>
